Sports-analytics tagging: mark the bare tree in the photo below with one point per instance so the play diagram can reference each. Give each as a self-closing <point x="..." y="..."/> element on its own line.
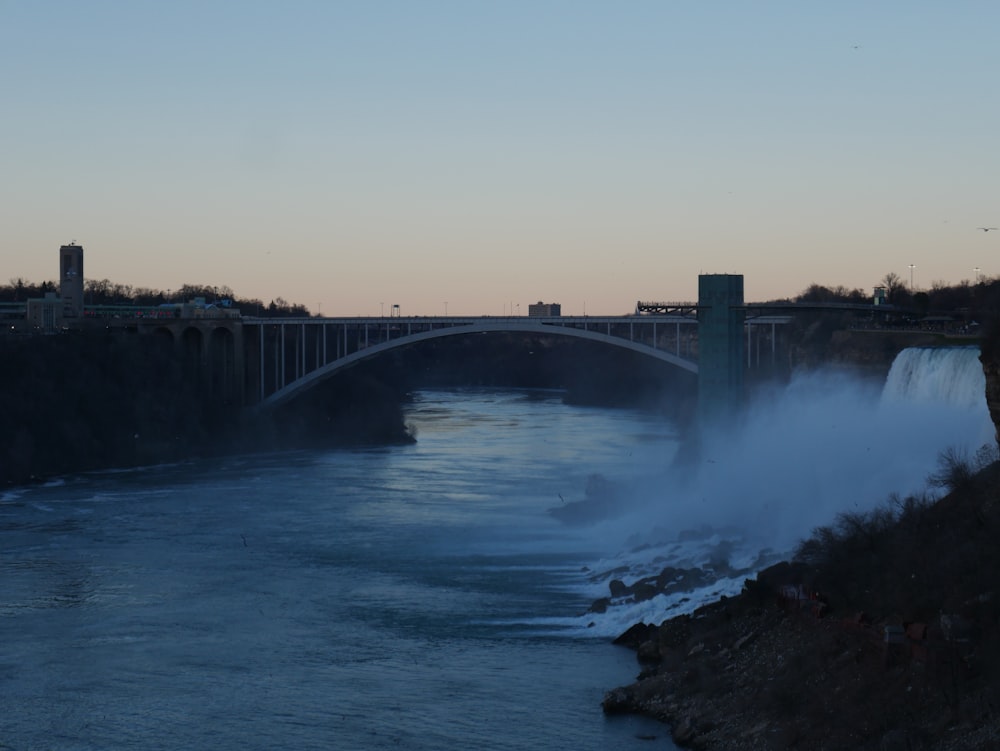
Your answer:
<point x="893" y="283"/>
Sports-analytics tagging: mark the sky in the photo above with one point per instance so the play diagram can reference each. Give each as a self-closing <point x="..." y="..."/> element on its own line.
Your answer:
<point x="474" y="157"/>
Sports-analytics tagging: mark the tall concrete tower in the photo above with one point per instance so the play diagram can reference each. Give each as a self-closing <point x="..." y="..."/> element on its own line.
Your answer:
<point x="71" y="280"/>
<point x="720" y="346"/>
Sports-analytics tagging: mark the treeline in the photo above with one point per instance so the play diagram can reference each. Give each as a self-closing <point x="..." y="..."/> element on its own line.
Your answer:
<point x="106" y="292"/>
<point x="979" y="300"/>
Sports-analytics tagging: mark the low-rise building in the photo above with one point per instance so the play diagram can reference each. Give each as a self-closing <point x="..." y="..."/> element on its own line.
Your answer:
<point x="545" y="309"/>
<point x="45" y="314"/>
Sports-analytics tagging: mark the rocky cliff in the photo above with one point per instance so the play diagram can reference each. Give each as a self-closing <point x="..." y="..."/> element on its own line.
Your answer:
<point x="77" y="402"/>
<point x="990" y="358"/>
<point x="868" y="351"/>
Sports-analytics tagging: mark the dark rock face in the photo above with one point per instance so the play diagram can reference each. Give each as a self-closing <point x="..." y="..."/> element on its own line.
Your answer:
<point x="990" y="358"/>
<point x="82" y="401"/>
<point x="740" y="675"/>
<point x="826" y="342"/>
<point x="636" y="635"/>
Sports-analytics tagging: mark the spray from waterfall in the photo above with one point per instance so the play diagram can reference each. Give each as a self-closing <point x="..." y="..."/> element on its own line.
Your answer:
<point x="830" y="443"/>
<point x="827" y="443"/>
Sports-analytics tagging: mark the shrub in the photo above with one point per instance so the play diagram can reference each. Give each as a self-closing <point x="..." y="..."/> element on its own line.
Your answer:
<point x="955" y="471"/>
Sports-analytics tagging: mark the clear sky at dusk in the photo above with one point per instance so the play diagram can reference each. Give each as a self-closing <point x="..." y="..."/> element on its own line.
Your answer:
<point x="354" y="154"/>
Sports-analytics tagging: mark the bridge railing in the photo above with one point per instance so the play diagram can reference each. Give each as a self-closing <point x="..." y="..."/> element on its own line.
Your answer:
<point x="667" y="308"/>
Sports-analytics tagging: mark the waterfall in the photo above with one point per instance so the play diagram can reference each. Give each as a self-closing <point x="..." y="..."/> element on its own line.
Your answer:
<point x="944" y="375"/>
<point x="827" y="443"/>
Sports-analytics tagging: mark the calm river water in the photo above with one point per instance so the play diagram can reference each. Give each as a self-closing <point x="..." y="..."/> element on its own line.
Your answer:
<point x="415" y="597"/>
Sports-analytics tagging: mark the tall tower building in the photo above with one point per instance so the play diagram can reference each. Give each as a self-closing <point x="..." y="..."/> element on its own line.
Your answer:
<point x="720" y="347"/>
<point x="71" y="280"/>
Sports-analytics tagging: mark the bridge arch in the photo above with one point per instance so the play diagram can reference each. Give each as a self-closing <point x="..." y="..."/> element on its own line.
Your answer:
<point x="210" y="350"/>
<point x="163" y="334"/>
<point x="475" y="326"/>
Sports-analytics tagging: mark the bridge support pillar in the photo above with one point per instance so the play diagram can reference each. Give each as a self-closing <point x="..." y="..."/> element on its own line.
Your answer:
<point x="720" y="347"/>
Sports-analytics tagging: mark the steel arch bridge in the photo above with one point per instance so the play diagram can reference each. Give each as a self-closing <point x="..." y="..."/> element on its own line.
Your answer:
<point x="286" y="357"/>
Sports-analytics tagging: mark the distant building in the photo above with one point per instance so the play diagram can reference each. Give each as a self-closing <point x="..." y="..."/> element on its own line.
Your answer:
<point x="199" y="308"/>
<point x="545" y="309"/>
<point x="45" y="314"/>
<point x="879" y="297"/>
<point x="65" y="309"/>
<point x="71" y="280"/>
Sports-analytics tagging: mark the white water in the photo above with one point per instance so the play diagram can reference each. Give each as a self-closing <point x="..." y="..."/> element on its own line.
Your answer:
<point x="944" y="375"/>
<point x="825" y="444"/>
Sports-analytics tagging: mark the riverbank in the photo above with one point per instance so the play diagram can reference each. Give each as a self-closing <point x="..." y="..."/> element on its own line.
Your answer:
<point x="884" y="634"/>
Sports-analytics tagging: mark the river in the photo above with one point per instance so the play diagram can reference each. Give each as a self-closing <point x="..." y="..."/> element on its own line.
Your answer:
<point x="422" y="596"/>
<point x="403" y="597"/>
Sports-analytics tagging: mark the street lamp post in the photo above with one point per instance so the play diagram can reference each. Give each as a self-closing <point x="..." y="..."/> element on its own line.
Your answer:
<point x="445" y="308"/>
<point x="976" y="272"/>
<point x="911" y="276"/>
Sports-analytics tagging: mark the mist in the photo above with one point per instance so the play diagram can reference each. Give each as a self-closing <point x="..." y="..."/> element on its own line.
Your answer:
<point x="827" y="442"/>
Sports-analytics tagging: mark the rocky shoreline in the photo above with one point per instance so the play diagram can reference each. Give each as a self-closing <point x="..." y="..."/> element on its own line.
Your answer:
<point x="763" y="671"/>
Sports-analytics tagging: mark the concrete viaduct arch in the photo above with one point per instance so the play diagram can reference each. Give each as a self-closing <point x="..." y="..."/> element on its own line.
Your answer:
<point x="213" y="347"/>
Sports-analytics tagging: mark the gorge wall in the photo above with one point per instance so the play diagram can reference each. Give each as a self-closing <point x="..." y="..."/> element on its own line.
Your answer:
<point x="76" y="402"/>
<point x="869" y="351"/>
<point x="989" y="355"/>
